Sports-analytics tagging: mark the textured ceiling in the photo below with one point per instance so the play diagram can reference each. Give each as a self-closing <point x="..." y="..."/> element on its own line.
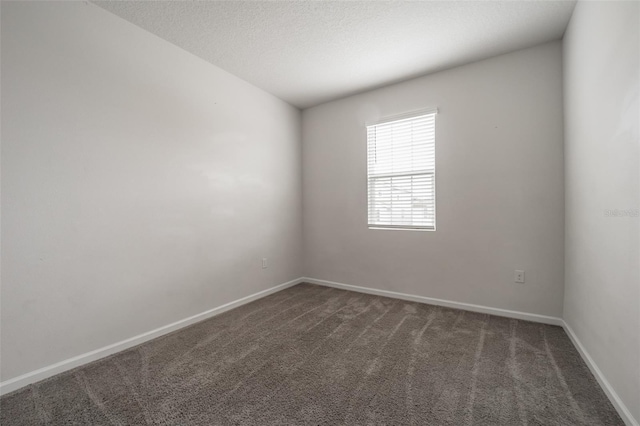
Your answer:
<point x="309" y="52"/>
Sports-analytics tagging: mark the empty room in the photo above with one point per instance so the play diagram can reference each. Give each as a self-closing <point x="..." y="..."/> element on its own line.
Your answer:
<point x="320" y="213"/>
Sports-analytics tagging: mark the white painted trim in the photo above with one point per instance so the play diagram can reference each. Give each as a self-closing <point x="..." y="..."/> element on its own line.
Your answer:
<point x="403" y="116"/>
<point x="440" y="302"/>
<point x="51" y="370"/>
<point x="622" y="409"/>
<point x="59" y="367"/>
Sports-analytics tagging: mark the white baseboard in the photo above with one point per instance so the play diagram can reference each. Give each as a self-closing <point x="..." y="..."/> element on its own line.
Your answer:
<point x="77" y="361"/>
<point x="51" y="370"/>
<point x="440" y="302"/>
<point x="622" y="409"/>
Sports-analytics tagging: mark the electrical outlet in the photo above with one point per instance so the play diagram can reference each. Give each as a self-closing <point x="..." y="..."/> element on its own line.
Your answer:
<point x="264" y="263"/>
<point x="519" y="276"/>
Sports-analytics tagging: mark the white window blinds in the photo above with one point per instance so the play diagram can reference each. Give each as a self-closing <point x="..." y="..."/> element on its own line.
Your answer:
<point x="401" y="173"/>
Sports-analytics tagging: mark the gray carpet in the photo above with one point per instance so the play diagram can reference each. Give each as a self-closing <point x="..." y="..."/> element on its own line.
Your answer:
<point x="315" y="355"/>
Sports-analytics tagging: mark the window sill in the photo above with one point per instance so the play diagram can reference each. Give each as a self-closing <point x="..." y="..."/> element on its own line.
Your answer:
<point x="400" y="228"/>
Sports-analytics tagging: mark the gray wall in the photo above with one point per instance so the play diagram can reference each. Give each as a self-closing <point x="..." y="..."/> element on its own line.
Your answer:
<point x="140" y="184"/>
<point x="500" y="200"/>
<point x="602" y="293"/>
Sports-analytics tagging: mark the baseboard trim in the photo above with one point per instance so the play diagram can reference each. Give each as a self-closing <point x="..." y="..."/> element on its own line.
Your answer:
<point x="622" y="409"/>
<point x="77" y="361"/>
<point x="440" y="302"/>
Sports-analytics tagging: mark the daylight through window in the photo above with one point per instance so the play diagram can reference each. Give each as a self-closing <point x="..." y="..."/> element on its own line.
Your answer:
<point x="401" y="172"/>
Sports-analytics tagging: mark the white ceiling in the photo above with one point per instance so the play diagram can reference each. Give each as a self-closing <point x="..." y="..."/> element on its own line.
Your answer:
<point x="309" y="52"/>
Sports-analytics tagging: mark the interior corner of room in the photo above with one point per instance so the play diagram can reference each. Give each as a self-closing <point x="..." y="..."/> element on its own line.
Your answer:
<point x="145" y="189"/>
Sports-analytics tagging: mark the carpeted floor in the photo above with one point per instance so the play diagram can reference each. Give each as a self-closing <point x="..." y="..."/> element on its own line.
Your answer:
<point x="315" y="355"/>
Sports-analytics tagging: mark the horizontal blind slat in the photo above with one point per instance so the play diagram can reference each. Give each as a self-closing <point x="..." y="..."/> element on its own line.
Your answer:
<point x="401" y="172"/>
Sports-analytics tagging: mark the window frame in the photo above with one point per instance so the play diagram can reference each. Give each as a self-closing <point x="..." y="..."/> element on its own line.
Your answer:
<point x="432" y="172"/>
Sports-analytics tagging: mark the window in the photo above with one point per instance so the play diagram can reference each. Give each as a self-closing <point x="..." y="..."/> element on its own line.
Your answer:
<point x="401" y="172"/>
